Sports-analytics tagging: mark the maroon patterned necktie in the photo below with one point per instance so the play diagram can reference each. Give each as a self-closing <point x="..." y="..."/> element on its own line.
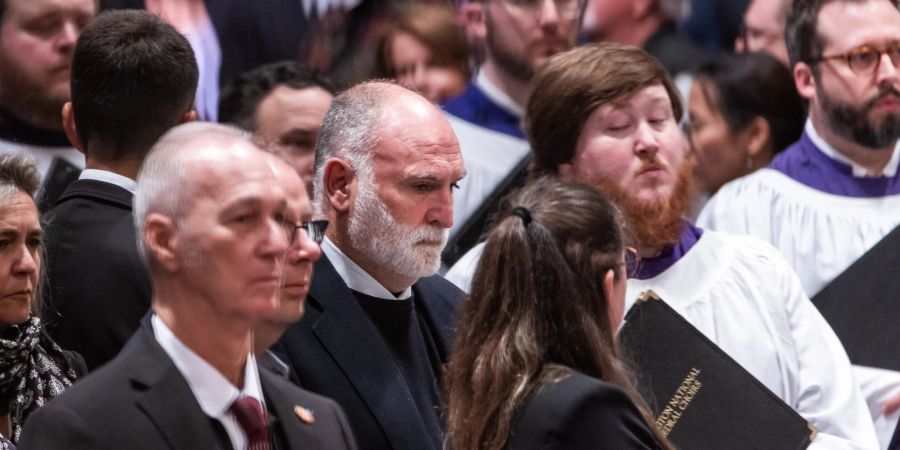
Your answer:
<point x="250" y="416"/>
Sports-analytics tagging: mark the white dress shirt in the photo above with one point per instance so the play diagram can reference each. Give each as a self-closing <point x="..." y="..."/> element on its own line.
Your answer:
<point x="355" y="277"/>
<point x="213" y="391"/>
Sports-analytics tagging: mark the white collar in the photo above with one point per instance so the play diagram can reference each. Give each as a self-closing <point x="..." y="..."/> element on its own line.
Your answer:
<point x="494" y="94"/>
<point x="355" y="277"/>
<point x="890" y="169"/>
<point x="213" y="391"/>
<point x="109" y="177"/>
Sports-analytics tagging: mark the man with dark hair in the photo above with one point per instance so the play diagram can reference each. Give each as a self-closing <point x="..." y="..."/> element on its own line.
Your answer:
<point x="133" y="78"/>
<point x="605" y="115"/>
<point x="284" y="105"/>
<point x="827" y="199"/>
<point x="37" y="39"/>
<point x="377" y="325"/>
<point x="211" y="220"/>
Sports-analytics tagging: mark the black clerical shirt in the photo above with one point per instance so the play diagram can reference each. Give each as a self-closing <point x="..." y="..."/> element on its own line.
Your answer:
<point x="413" y="350"/>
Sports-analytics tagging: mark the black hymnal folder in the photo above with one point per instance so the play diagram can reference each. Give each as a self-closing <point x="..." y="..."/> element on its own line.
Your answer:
<point x="863" y="303"/>
<point x="701" y="397"/>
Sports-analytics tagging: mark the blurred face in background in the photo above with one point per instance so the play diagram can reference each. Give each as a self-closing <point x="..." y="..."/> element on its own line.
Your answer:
<point x="720" y="154"/>
<point x="415" y="67"/>
<point x="290" y="118"/>
<point x="763" y="29"/>
<point x="522" y="34"/>
<point x="37" y="41"/>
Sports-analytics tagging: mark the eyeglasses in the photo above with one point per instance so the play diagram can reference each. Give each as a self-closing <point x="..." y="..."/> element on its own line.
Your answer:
<point x="866" y="58"/>
<point x="314" y="229"/>
<point x="567" y="9"/>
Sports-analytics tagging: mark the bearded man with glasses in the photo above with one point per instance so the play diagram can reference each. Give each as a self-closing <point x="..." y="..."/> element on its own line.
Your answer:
<point x="827" y="199"/>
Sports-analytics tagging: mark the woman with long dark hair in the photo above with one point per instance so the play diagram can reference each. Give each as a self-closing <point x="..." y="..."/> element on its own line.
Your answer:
<point x="535" y="363"/>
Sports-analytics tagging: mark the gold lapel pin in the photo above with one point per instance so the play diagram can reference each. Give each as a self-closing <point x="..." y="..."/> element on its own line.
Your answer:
<point x="304" y="414"/>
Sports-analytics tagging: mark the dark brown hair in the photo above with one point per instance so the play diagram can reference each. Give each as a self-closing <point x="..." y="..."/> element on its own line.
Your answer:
<point x="801" y="30"/>
<point x="574" y="83"/>
<point x="537" y="310"/>
<point x="435" y="26"/>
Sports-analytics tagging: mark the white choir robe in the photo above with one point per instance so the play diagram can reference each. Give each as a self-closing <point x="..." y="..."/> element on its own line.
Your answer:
<point x="741" y="294"/>
<point x="805" y="224"/>
<point x="488" y="156"/>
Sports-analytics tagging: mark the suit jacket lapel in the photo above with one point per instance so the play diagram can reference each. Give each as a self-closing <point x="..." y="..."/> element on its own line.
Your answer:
<point x="297" y="433"/>
<point x="351" y="339"/>
<point x="162" y="393"/>
<point x="438" y="303"/>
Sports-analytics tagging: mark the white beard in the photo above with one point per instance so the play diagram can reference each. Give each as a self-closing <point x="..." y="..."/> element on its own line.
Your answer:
<point x="395" y="246"/>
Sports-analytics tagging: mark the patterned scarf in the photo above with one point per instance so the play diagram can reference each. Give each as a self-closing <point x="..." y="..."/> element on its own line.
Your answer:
<point x="33" y="370"/>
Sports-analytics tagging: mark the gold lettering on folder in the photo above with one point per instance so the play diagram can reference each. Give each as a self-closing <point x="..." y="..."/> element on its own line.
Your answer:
<point x="679" y="402"/>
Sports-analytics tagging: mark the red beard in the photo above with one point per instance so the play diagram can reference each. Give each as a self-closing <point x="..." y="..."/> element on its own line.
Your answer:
<point x="652" y="224"/>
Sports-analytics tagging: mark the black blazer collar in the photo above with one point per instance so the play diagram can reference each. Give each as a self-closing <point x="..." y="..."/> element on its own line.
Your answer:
<point x="162" y="393"/>
<point x="98" y="190"/>
<point x="354" y="343"/>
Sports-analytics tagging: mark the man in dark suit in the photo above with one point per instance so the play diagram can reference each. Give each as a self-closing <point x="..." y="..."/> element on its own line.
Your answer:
<point x="378" y="321"/>
<point x="211" y="217"/>
<point x="133" y="78"/>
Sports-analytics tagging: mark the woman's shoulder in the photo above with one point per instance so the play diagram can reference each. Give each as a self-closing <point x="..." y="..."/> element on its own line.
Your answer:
<point x="578" y="411"/>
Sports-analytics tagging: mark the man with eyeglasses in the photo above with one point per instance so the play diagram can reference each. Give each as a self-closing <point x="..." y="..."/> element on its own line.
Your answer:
<point x="831" y="196"/>
<point x="763" y="29"/>
<point x="304" y="237"/>
<point x="519" y="36"/>
<point x="377" y="323"/>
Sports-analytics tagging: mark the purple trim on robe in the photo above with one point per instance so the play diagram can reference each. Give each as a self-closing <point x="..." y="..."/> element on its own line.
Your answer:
<point x="651" y="267"/>
<point x="805" y="163"/>
<point x="475" y="107"/>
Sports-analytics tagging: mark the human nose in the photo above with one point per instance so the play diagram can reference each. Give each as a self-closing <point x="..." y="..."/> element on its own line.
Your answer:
<point x="26" y="263"/>
<point x="549" y="14"/>
<point x="887" y="69"/>
<point x="645" y="142"/>
<point x="441" y="212"/>
<point x="68" y="35"/>
<point x="275" y="242"/>
<point x="304" y="249"/>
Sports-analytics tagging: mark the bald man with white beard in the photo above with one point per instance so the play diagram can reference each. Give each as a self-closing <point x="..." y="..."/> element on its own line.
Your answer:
<point x="377" y="323"/>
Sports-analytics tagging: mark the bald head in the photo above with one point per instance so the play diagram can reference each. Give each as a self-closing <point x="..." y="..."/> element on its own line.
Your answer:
<point x="183" y="161"/>
<point x="359" y="118"/>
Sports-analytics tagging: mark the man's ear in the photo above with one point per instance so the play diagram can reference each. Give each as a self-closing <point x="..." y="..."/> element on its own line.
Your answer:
<point x="805" y="80"/>
<point x="190" y="116"/>
<point x="68" y="119"/>
<point x="161" y="241"/>
<point x="471" y="19"/>
<point x="339" y="181"/>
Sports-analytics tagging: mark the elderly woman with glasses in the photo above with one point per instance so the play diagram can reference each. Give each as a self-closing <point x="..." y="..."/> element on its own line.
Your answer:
<point x="33" y="368"/>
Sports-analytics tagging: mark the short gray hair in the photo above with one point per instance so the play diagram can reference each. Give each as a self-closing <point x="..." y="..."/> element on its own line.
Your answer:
<point x="350" y="132"/>
<point x="18" y="172"/>
<point x="164" y="184"/>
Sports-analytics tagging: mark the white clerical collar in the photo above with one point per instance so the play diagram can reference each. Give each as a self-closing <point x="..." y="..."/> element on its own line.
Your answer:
<point x="890" y="169"/>
<point x="213" y="391"/>
<point x="109" y="177"/>
<point x="355" y="277"/>
<point x="494" y="94"/>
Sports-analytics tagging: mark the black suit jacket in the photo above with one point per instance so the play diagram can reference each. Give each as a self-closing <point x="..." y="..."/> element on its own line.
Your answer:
<point x="141" y="401"/>
<point x="250" y="33"/>
<point x="97" y="286"/>
<point x="579" y="412"/>
<point x="335" y="351"/>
